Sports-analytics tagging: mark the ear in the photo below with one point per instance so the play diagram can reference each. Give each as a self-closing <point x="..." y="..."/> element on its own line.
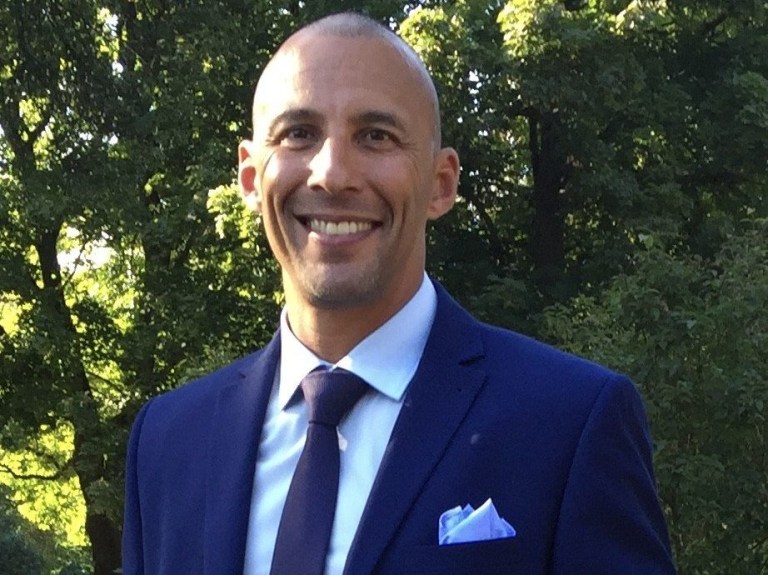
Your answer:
<point x="246" y="176"/>
<point x="444" y="184"/>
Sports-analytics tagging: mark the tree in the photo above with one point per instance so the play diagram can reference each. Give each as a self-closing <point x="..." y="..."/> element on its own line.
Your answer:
<point x="18" y="555"/>
<point x="584" y="124"/>
<point x="127" y="265"/>
<point x="52" y="119"/>
<point x="113" y="130"/>
<point x="692" y="332"/>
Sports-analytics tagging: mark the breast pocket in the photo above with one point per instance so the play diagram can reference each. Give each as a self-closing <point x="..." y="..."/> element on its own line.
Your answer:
<point x="478" y="558"/>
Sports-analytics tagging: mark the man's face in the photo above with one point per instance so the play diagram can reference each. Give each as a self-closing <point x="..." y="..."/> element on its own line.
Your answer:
<point x="346" y="170"/>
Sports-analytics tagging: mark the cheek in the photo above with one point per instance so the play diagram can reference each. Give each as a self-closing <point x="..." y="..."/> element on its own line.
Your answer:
<point x="266" y="173"/>
<point x="402" y="178"/>
<point x="279" y="172"/>
<point x="415" y="185"/>
<point x="267" y="184"/>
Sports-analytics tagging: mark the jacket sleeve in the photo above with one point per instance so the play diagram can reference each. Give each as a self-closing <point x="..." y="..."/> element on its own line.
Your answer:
<point x="133" y="555"/>
<point x="610" y="519"/>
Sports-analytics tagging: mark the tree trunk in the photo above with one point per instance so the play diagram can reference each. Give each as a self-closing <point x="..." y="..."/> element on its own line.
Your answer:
<point x="102" y="531"/>
<point x="88" y="460"/>
<point x="549" y="165"/>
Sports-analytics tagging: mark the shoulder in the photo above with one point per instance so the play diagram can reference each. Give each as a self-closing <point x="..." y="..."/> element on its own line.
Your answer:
<point x="201" y="388"/>
<point x="512" y="350"/>
<point x="196" y="396"/>
<point x="538" y="371"/>
<point x="522" y="367"/>
<point x="194" y="402"/>
<point x="174" y="425"/>
<point x="560" y="399"/>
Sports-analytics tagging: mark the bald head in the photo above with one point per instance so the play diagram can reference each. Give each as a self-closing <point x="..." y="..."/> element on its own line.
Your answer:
<point x="353" y="25"/>
<point x="346" y="169"/>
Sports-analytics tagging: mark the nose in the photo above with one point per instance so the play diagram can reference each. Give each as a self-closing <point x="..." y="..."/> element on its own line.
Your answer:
<point x="333" y="168"/>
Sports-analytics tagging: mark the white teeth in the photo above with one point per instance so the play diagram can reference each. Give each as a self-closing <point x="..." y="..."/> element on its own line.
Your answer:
<point x="338" y="228"/>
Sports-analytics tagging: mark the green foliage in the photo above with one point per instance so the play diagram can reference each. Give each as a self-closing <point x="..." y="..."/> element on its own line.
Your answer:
<point x="592" y="134"/>
<point x="582" y="125"/>
<point x="18" y="555"/>
<point x="693" y="334"/>
<point x="27" y="550"/>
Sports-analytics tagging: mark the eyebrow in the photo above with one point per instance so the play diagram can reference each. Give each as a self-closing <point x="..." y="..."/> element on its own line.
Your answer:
<point x="292" y="116"/>
<point x="380" y="117"/>
<point x="309" y="116"/>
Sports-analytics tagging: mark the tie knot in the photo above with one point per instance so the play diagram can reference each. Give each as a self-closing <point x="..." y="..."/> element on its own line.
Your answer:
<point x="331" y="394"/>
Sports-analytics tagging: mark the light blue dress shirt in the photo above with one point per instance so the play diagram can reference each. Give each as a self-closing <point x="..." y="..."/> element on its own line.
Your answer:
<point x="387" y="360"/>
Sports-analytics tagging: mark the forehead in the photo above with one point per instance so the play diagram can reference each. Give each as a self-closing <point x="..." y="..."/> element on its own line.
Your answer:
<point x="333" y="74"/>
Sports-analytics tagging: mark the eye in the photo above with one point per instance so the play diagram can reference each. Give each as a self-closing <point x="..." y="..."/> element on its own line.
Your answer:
<point x="377" y="135"/>
<point x="377" y="138"/>
<point x="297" y="137"/>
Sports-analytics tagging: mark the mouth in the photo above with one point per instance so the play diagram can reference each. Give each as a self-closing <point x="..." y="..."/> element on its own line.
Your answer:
<point x="337" y="228"/>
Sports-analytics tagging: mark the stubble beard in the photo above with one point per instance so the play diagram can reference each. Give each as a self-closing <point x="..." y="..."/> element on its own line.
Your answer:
<point x="332" y="287"/>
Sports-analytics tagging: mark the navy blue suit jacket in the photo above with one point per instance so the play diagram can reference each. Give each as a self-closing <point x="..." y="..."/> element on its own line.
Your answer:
<point x="561" y="445"/>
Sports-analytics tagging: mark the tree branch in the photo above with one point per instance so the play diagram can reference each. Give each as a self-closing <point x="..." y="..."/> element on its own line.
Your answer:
<point x="101" y="378"/>
<point x="34" y="476"/>
<point x="709" y="27"/>
<point x="35" y="133"/>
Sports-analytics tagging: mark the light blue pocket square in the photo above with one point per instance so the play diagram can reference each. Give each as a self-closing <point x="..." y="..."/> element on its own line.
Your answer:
<point x="466" y="524"/>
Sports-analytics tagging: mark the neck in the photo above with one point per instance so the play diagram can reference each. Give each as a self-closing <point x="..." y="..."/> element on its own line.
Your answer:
<point x="333" y="333"/>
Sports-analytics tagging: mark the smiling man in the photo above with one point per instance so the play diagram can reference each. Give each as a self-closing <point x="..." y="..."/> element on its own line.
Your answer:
<point x="383" y="430"/>
<point x="346" y="165"/>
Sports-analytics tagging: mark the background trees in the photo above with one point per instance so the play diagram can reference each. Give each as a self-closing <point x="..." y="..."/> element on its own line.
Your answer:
<point x="613" y="199"/>
<point x="693" y="332"/>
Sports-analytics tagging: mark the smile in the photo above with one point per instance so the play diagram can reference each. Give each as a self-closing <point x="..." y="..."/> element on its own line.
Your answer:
<point x="338" y="228"/>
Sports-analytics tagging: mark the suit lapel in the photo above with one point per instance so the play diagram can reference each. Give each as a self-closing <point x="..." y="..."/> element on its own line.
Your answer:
<point x="435" y="404"/>
<point x="232" y="451"/>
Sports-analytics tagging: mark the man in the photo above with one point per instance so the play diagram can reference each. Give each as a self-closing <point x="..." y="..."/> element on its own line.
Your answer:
<point x="346" y="168"/>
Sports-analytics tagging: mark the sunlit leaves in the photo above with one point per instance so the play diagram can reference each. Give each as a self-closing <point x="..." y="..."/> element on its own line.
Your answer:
<point x="53" y="504"/>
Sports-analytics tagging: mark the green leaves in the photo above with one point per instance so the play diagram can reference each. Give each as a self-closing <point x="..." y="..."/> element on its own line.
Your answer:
<point x="693" y="332"/>
<point x="609" y="148"/>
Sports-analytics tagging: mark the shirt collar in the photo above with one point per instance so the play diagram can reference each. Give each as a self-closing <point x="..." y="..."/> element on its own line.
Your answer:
<point x="386" y="359"/>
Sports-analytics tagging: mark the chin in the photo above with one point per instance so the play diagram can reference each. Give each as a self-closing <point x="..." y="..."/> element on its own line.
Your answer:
<point x="351" y="293"/>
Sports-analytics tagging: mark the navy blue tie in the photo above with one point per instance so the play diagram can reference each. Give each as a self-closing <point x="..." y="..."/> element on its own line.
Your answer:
<point x="305" y="526"/>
